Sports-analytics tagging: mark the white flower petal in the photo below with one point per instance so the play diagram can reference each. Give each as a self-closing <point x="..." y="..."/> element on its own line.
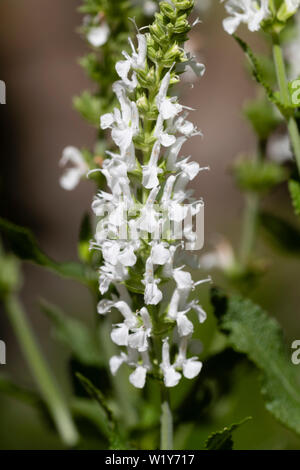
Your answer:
<point x="116" y="361"/>
<point x="138" y="377"/>
<point x="167" y="140"/>
<point x="185" y="326"/>
<point x="98" y="35"/>
<point x="119" y="334"/>
<point x="152" y="294"/>
<point x="159" y="254"/>
<point x="106" y="120"/>
<point x="171" y="377"/>
<point x="191" y="368"/>
<point x="70" y="179"/>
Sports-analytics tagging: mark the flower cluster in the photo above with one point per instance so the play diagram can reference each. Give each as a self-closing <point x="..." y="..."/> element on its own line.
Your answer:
<point x="257" y="13"/>
<point x="147" y="181"/>
<point x="250" y="12"/>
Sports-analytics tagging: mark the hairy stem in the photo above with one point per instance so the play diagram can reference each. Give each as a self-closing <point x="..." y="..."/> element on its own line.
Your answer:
<point x="284" y="92"/>
<point x="46" y="383"/>
<point x="166" y="435"/>
<point x="249" y="227"/>
<point x="251" y="215"/>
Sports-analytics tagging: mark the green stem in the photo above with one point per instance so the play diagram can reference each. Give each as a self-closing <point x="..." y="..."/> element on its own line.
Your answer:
<point x="46" y="383"/>
<point x="284" y="93"/>
<point x="249" y="227"/>
<point x="251" y="215"/>
<point x="166" y="434"/>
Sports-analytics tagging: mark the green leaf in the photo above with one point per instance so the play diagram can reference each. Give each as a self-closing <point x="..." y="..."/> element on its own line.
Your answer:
<point x="251" y="331"/>
<point x="28" y="397"/>
<point x="89" y="107"/>
<point x="258" y="177"/>
<point x="24" y="245"/>
<point x="282" y="234"/>
<point x="261" y="114"/>
<point x="115" y="439"/>
<point x="9" y="388"/>
<point x="294" y="188"/>
<point x="258" y="75"/>
<point x="222" y="440"/>
<point x="75" y="335"/>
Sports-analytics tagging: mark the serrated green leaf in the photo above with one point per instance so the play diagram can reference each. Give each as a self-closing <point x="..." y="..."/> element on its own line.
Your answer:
<point x="24" y="246"/>
<point x="259" y="77"/>
<point x="294" y="188"/>
<point x="222" y="440"/>
<point x="251" y="331"/>
<point x="282" y="234"/>
<point x="81" y="341"/>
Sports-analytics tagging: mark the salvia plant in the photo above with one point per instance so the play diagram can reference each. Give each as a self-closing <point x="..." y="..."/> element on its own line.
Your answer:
<point x="136" y="249"/>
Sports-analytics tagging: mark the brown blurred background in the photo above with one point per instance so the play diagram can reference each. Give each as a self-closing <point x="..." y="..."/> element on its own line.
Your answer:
<point x="39" y="48"/>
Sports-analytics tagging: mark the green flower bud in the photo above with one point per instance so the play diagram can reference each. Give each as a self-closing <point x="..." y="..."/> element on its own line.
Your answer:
<point x="174" y="54"/>
<point x="168" y="11"/>
<point x="183" y="4"/>
<point x="182" y="25"/>
<point x="142" y="104"/>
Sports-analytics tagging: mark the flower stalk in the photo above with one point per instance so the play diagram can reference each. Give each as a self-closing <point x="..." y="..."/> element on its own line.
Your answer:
<point x="147" y="181"/>
<point x="166" y="421"/>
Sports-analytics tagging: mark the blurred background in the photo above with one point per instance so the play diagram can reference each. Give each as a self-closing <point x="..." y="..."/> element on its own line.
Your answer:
<point x="39" y="48"/>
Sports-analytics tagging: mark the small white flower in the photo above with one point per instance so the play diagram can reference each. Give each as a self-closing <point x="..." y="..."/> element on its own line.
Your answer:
<point x="167" y="107"/>
<point x="136" y="61"/>
<point x="161" y="134"/>
<point x="178" y="310"/>
<point x="148" y="220"/>
<point x="71" y="176"/>
<point x="151" y="170"/>
<point x="111" y="273"/>
<point x="175" y="211"/>
<point x="184" y="280"/>
<point x="153" y="294"/>
<point x="138" y="377"/>
<point x="139" y="339"/>
<point x="115" y="362"/>
<point x="98" y="35"/>
<point x="250" y="12"/>
<point x="160" y="253"/>
<point x="115" y="172"/>
<point x="292" y="5"/>
<point x="190" y="367"/>
<point x="124" y="123"/>
<point x="171" y="376"/>
<point x="173" y="151"/>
